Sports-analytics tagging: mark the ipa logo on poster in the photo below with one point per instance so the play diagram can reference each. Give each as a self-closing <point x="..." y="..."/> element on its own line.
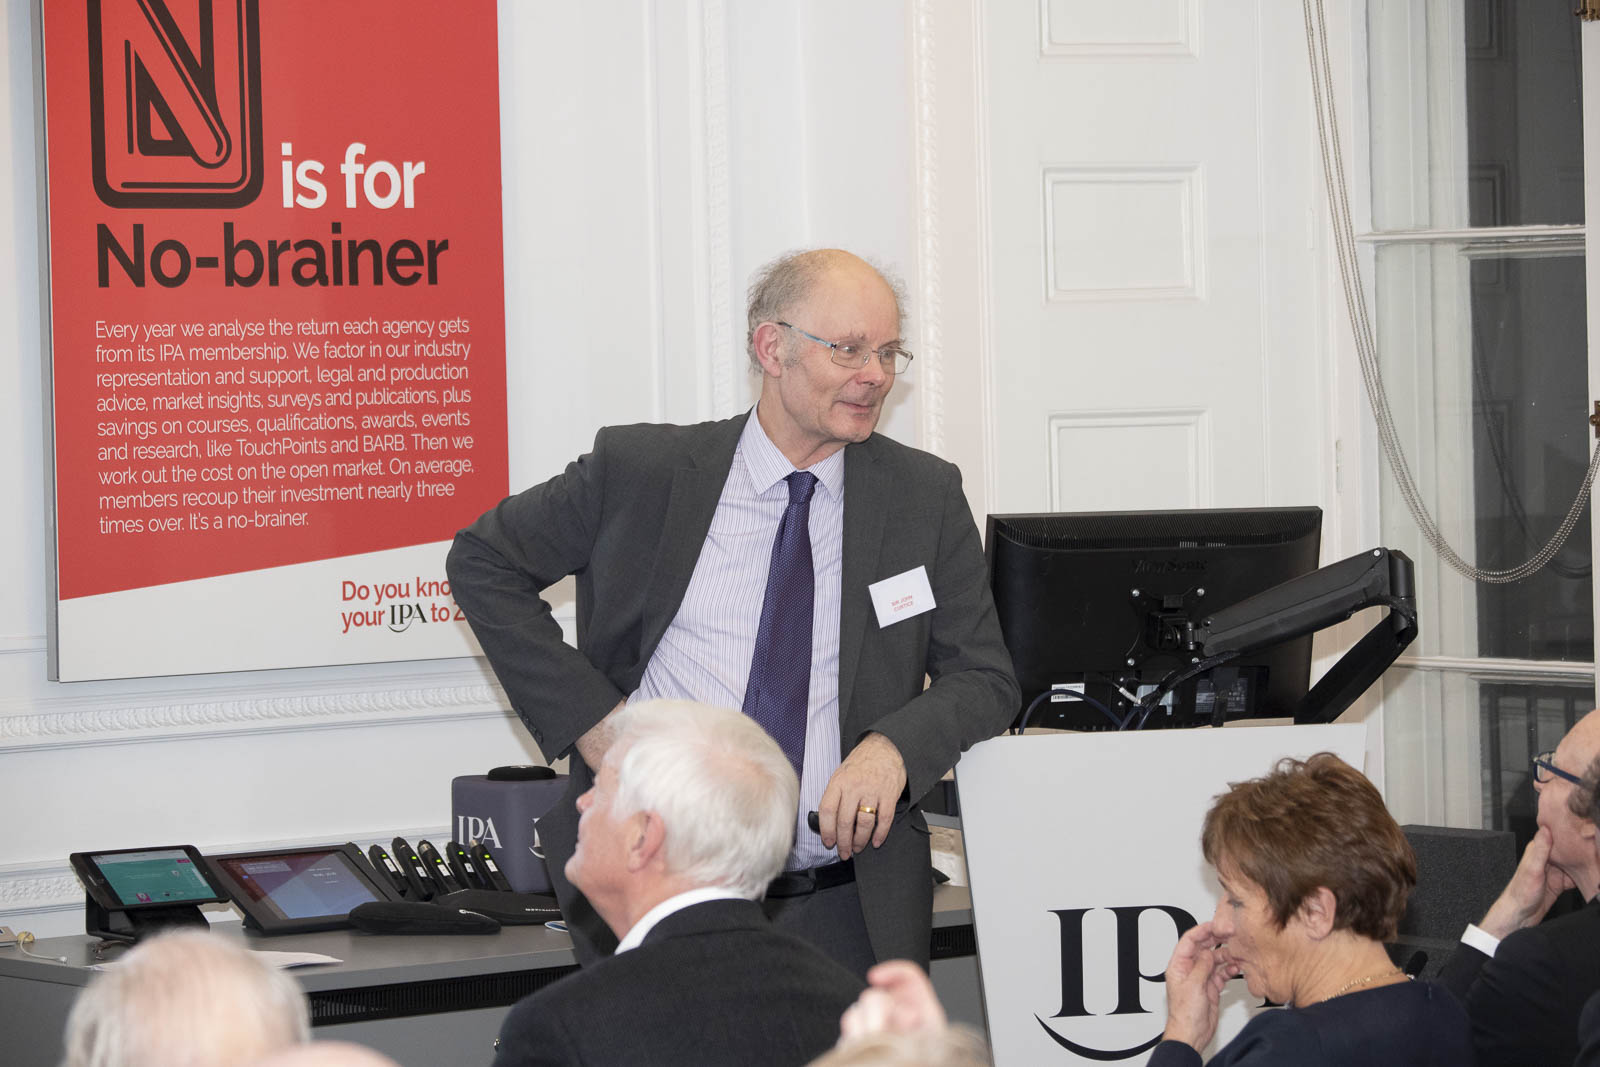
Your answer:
<point x="175" y="103"/>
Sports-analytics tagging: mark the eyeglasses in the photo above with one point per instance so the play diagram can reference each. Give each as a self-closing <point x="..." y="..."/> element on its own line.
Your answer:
<point x="892" y="358"/>
<point x="1544" y="767"/>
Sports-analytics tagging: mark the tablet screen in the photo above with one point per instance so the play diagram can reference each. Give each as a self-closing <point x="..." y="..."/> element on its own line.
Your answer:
<point x="155" y="876"/>
<point x="300" y="885"/>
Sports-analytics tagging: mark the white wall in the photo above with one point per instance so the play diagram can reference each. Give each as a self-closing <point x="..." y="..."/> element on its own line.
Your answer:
<point x="654" y="153"/>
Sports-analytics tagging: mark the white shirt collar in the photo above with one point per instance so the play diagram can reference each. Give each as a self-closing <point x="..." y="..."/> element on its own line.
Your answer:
<point x="768" y="465"/>
<point x="649" y="919"/>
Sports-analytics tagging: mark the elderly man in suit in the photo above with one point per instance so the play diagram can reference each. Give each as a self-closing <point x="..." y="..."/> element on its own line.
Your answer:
<point x="789" y="561"/>
<point x="1523" y="981"/>
<point x="687" y="821"/>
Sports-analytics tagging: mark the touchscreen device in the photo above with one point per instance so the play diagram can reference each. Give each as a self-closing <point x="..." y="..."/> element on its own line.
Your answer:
<point x="145" y="879"/>
<point x="298" y="890"/>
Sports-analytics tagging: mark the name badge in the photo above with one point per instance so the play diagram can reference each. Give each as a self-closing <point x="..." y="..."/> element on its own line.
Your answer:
<point x="902" y="596"/>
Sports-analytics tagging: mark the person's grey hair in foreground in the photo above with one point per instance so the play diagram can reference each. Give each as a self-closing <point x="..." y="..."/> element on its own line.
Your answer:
<point x="952" y="1046"/>
<point x="185" y="999"/>
<point x="326" y="1054"/>
<point x="720" y="783"/>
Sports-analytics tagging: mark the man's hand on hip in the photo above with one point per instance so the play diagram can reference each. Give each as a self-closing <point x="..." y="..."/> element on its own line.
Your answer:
<point x="858" y="805"/>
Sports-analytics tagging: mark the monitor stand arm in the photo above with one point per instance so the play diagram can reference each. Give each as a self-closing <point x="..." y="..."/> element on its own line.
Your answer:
<point x="1304" y="605"/>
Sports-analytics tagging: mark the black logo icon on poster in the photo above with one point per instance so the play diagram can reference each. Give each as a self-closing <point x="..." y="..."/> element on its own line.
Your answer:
<point x="1130" y="978"/>
<point x="175" y="102"/>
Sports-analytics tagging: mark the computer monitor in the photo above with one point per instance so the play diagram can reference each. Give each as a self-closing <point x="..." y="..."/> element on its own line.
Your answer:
<point x="1103" y="604"/>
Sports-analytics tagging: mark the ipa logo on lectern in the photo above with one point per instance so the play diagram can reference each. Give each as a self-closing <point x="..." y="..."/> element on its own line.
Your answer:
<point x="472" y="828"/>
<point x="1123" y="968"/>
<point x="175" y="102"/>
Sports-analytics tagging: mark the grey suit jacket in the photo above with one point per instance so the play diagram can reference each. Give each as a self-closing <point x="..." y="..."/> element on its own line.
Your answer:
<point x="629" y="519"/>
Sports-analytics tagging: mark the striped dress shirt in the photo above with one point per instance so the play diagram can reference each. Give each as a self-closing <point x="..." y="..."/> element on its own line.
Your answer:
<point x="706" y="652"/>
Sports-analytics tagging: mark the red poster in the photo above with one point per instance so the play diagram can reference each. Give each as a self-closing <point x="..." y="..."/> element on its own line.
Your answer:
<point x="276" y="326"/>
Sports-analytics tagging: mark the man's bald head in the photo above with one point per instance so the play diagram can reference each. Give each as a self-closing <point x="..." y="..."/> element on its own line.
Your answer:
<point x="1561" y="807"/>
<point x="1583" y="740"/>
<point x="783" y="284"/>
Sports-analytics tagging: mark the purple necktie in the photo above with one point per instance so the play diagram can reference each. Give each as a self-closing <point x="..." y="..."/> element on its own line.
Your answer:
<point x="780" y="672"/>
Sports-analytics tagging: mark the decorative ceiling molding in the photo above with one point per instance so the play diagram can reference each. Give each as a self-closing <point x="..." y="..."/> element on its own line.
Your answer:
<point x="74" y="723"/>
<point x="727" y="360"/>
<point x="51" y="889"/>
<point x="930" y="302"/>
<point x="955" y="345"/>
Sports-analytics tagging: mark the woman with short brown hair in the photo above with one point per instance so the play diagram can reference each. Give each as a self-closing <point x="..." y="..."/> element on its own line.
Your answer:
<point x="1315" y="875"/>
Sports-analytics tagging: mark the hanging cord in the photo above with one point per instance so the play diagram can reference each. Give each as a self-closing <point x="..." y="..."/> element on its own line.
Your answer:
<point x="1494" y="441"/>
<point x="1366" y="347"/>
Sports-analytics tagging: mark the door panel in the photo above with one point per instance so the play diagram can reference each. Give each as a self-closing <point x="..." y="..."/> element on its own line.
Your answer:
<point x="1138" y="158"/>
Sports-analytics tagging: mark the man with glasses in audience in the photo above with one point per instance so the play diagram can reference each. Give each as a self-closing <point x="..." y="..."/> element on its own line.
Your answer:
<point x="1524" y="982"/>
<point x="790" y="562"/>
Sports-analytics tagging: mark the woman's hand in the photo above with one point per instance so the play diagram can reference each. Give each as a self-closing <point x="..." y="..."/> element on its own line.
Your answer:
<point x="1195" y="977"/>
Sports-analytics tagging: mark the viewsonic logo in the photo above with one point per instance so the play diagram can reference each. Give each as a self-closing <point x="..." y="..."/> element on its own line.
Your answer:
<point x="1168" y="566"/>
<point x="1129" y="977"/>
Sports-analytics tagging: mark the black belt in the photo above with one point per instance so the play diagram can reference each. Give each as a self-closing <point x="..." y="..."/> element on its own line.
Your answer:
<point x="800" y="883"/>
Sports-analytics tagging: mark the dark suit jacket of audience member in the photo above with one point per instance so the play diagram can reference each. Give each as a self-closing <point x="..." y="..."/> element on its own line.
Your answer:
<point x="1525" y="1002"/>
<point x="1589" y="1034"/>
<point x="1409" y="1024"/>
<point x="712" y="984"/>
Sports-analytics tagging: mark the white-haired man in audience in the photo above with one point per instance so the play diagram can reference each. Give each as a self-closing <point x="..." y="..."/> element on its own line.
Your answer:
<point x="185" y="999"/>
<point x="691" y="815"/>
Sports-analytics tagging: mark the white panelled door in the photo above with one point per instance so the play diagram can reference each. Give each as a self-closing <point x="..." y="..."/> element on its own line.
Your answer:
<point x="1154" y="340"/>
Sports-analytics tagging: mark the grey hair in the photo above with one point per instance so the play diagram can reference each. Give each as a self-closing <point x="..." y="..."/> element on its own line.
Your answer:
<point x="948" y="1046"/>
<point x="723" y="788"/>
<point x="185" y="999"/>
<point x="1584" y="800"/>
<point x="786" y="281"/>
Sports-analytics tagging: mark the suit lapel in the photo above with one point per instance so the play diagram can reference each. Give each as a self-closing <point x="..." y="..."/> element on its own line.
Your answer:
<point x="864" y="515"/>
<point x="691" y="504"/>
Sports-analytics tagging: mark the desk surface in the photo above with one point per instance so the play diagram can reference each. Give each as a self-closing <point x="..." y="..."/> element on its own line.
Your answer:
<point x="379" y="959"/>
<point x="421" y="999"/>
<point x="368" y="959"/>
